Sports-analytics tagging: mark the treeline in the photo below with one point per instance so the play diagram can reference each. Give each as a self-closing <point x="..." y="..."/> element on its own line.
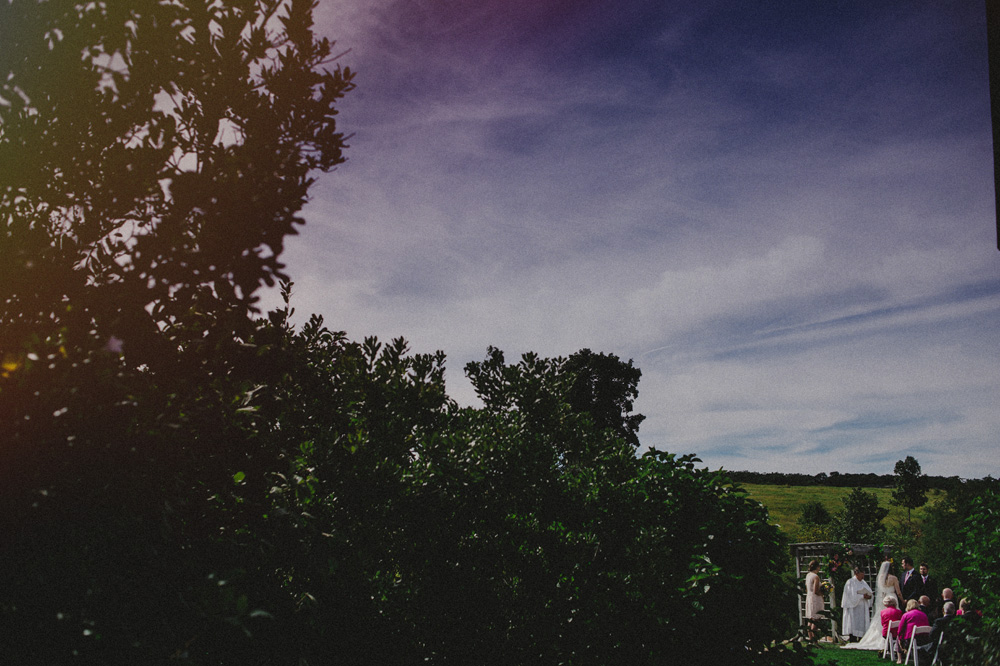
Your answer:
<point x="848" y="480"/>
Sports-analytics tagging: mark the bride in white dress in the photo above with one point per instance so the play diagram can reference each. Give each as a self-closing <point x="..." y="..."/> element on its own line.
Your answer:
<point x="872" y="640"/>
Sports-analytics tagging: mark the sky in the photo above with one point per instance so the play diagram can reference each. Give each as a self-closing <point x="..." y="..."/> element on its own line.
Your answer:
<point x="782" y="211"/>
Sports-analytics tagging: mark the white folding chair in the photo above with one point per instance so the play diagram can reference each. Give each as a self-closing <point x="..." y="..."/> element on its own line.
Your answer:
<point x="912" y="649"/>
<point x="937" y="649"/>
<point x="889" y="645"/>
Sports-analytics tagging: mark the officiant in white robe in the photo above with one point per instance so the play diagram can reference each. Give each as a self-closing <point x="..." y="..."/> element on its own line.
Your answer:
<point x="856" y="601"/>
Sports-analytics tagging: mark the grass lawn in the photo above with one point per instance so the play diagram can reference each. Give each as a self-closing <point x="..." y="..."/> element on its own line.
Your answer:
<point x="784" y="503"/>
<point x="841" y="657"/>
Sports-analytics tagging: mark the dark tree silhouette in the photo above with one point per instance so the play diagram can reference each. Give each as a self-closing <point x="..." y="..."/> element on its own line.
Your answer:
<point x="154" y="156"/>
<point x="606" y="387"/>
<point x="910" y="486"/>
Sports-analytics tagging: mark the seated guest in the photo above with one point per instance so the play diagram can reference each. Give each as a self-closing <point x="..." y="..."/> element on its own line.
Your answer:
<point x="965" y="608"/>
<point x="926" y="607"/>
<point x="890" y="614"/>
<point x="927" y="651"/>
<point x="946" y="595"/>
<point x="913" y="617"/>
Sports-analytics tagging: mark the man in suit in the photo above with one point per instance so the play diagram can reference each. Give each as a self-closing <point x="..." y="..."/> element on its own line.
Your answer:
<point x="946" y="595"/>
<point x="925" y="585"/>
<point x="926" y="652"/>
<point x="909" y="582"/>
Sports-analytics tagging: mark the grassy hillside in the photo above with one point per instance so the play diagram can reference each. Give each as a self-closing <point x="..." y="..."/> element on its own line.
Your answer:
<point x="784" y="503"/>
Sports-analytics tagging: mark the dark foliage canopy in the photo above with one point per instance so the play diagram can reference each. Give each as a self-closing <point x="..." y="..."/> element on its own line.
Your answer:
<point x="605" y="387"/>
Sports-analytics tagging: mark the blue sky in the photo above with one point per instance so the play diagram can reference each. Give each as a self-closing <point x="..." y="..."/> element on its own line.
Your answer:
<point x="782" y="211"/>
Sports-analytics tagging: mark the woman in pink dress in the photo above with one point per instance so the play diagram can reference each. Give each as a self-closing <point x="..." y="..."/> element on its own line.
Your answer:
<point x="814" y="597"/>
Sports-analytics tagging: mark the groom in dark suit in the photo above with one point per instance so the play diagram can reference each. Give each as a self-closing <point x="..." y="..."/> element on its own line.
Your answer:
<point x="909" y="583"/>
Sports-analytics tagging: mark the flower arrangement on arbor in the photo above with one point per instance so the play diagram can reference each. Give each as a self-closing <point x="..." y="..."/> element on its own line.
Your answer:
<point x="838" y="564"/>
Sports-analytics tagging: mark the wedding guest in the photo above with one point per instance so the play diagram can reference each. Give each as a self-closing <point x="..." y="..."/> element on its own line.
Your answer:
<point x="947" y="595"/>
<point x="890" y="614"/>
<point x="964" y="605"/>
<point x="856" y="600"/>
<point x="913" y="617"/>
<point x="967" y="610"/>
<point x="909" y="580"/>
<point x="925" y="605"/>
<point x="925" y="585"/>
<point x="928" y="650"/>
<point x="814" y="597"/>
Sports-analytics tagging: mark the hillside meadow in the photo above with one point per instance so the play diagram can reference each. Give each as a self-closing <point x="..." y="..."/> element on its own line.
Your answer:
<point x="784" y="503"/>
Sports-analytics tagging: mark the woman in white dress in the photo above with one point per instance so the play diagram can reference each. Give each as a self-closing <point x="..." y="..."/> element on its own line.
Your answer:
<point x="872" y="640"/>
<point x="892" y="584"/>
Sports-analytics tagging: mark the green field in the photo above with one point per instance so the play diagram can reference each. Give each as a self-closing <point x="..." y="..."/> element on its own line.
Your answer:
<point x="784" y="503"/>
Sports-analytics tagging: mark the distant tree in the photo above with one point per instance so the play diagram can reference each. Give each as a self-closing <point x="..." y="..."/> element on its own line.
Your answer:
<point x="815" y="513"/>
<point x="815" y="523"/>
<point x="910" y="486"/>
<point x="860" y="521"/>
<point x="605" y="387"/>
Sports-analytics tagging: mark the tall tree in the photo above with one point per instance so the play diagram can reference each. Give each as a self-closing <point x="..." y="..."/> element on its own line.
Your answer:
<point x="860" y="521"/>
<point x="910" y="488"/>
<point x="154" y="155"/>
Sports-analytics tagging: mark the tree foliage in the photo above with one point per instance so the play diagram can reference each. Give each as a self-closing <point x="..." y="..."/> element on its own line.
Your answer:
<point x="910" y="488"/>
<point x="944" y="522"/>
<point x="153" y="157"/>
<point x="815" y="513"/>
<point x="976" y="640"/>
<point x="860" y="521"/>
<point x="518" y="532"/>
<point x="605" y="387"/>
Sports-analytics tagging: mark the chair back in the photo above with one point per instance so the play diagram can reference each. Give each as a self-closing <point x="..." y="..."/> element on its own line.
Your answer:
<point x="912" y="649"/>
<point x="937" y="649"/>
<point x="889" y="645"/>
